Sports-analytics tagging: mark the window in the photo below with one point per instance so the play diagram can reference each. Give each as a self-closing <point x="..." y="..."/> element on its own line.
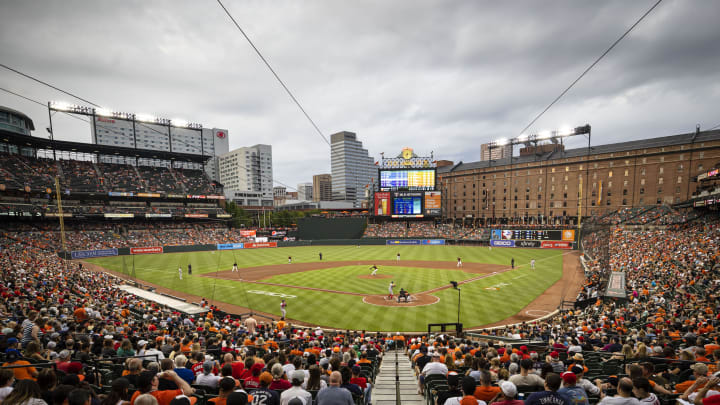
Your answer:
<point x="642" y="182"/>
<point x="679" y="179"/>
<point x="610" y="174"/>
<point x="644" y="160"/>
<point x="700" y="168"/>
<point x="642" y="171"/>
<point x="660" y="180"/>
<point x="627" y="172"/>
<point x="624" y="201"/>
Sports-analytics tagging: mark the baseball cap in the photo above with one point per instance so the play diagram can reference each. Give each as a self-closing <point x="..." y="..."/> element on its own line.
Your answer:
<point x="554" y="354"/>
<point x="299" y="375"/>
<point x="355" y="369"/>
<point x="569" y="377"/>
<point x="11" y="340"/>
<point x="237" y="398"/>
<point x="297" y="401"/>
<point x="577" y="370"/>
<point x="509" y="389"/>
<point x="266" y="378"/>
<point x="142" y="342"/>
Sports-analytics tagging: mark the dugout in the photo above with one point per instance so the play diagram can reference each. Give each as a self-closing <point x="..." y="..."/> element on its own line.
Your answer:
<point x="319" y="228"/>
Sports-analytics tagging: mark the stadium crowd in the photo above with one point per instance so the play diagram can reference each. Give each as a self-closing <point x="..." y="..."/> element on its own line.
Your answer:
<point x="25" y="173"/>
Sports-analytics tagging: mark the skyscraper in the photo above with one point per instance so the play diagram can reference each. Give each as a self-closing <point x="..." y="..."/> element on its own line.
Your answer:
<point x="351" y="167"/>
<point x="496" y="153"/>
<point x="322" y="187"/>
<point x="248" y="169"/>
<point x="305" y="191"/>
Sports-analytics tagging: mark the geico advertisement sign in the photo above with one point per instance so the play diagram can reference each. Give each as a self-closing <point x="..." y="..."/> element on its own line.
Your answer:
<point x="502" y="243"/>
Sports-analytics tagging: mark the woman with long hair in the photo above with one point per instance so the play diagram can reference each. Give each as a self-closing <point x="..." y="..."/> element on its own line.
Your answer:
<point x="125" y="349"/>
<point x="33" y="350"/>
<point x="26" y="392"/>
<point x="314" y="382"/>
<point x="118" y="394"/>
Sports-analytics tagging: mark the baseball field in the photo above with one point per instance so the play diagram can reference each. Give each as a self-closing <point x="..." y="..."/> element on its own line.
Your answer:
<point x="339" y="291"/>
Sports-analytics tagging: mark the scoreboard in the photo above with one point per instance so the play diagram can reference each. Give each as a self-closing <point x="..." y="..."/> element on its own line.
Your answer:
<point x="533" y="234"/>
<point x="407" y="179"/>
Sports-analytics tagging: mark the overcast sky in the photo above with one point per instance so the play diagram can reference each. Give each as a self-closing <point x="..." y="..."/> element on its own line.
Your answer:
<point x="442" y="76"/>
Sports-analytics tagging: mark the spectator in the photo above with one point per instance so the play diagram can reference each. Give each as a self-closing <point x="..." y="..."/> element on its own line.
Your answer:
<point x="207" y="378"/>
<point x="624" y="394"/>
<point x="26" y="392"/>
<point x="148" y="384"/>
<point x="333" y="394"/>
<point x="264" y="395"/>
<point x="297" y="378"/>
<point x="527" y="378"/>
<point x="574" y="393"/>
<point x="508" y="392"/>
<point x="549" y="396"/>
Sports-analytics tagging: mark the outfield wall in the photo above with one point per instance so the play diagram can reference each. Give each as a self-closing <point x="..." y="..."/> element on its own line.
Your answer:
<point x="319" y="228"/>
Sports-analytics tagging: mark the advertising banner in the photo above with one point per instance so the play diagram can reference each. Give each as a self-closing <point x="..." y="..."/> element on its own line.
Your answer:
<point x="224" y="216"/>
<point x="150" y="195"/>
<point x="433" y="202"/>
<point x="260" y="245"/>
<point x="86" y="254"/>
<point x="403" y="242"/>
<point x="230" y="246"/>
<point x="215" y="197"/>
<point x="568" y="235"/>
<point x="176" y="196"/>
<point x="119" y="215"/>
<point x="278" y="233"/>
<point x="57" y="214"/>
<point x="146" y="250"/>
<point x="196" y="215"/>
<point x="261" y="239"/>
<point x="193" y="196"/>
<point x="527" y="243"/>
<point x="555" y="245"/>
<point x="433" y="241"/>
<point x="119" y="194"/>
<point x="382" y="203"/>
<point x="502" y="243"/>
<point x="248" y="234"/>
<point x="158" y="216"/>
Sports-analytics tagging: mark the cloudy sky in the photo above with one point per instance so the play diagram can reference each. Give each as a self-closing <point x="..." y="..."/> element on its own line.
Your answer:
<point x="436" y="76"/>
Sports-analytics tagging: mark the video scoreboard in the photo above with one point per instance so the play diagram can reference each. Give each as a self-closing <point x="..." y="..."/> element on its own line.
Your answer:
<point x="407" y="192"/>
<point x="407" y="180"/>
<point x="533" y="234"/>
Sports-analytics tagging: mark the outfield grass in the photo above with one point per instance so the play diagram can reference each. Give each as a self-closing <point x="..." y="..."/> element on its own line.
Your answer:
<point x="515" y="289"/>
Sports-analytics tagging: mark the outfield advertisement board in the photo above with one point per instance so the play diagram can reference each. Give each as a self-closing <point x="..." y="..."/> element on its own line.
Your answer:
<point x="87" y="254"/>
<point x="502" y="243"/>
<point x="433" y="241"/>
<point x="146" y="250"/>
<point x="555" y="245"/>
<point x="254" y="245"/>
<point x="527" y="243"/>
<point x="403" y="242"/>
<point x="230" y="246"/>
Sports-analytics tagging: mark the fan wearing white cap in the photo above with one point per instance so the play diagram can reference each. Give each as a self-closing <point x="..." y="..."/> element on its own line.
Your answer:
<point x="296" y="393"/>
<point x="507" y="395"/>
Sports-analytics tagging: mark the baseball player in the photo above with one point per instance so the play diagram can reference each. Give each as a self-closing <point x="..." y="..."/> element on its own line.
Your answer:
<point x="532" y="264"/>
<point x="374" y="269"/>
<point x="289" y="259"/>
<point x="459" y="262"/>
<point x="512" y="263"/>
<point x="390" y="290"/>
<point x="283" y="306"/>
<point x="235" y="267"/>
<point x="397" y="258"/>
<point x="180" y="272"/>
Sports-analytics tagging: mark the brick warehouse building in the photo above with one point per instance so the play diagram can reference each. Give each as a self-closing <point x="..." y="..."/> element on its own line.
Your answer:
<point x="542" y="185"/>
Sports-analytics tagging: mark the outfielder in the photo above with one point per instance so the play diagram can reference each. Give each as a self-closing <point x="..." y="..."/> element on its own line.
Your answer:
<point x="180" y="272"/>
<point x="532" y="264"/>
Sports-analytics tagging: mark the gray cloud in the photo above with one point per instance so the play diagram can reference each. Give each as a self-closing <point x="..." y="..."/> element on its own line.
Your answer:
<point x="442" y="77"/>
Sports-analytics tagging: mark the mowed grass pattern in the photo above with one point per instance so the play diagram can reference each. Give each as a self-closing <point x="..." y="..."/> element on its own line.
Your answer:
<point x="479" y="305"/>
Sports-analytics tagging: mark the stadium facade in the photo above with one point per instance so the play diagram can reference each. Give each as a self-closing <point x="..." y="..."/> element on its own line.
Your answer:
<point x="352" y="169"/>
<point x="546" y="186"/>
<point x="112" y="131"/>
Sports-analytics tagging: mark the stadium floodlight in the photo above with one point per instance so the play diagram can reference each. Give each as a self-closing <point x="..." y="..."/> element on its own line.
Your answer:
<point x="178" y="122"/>
<point x="145" y="117"/>
<point x="522" y="138"/>
<point x="501" y="142"/>
<point x="544" y="135"/>
<point x="565" y="130"/>
<point x="61" y="105"/>
<point x="104" y="112"/>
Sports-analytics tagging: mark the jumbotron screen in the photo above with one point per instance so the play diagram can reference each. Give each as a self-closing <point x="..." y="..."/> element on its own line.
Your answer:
<point x="407" y="205"/>
<point x="407" y="179"/>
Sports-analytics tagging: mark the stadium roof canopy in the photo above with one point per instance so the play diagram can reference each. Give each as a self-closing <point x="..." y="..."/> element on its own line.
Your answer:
<point x="25" y="141"/>
<point x="681" y="139"/>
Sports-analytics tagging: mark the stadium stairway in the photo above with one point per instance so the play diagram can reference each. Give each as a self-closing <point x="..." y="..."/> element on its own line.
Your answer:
<point x="384" y="392"/>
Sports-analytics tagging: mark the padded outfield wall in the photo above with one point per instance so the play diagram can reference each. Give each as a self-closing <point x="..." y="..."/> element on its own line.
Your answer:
<point x="318" y="228"/>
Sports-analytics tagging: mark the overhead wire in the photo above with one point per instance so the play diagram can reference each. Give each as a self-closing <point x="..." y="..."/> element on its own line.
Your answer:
<point x="267" y="64"/>
<point x="590" y="67"/>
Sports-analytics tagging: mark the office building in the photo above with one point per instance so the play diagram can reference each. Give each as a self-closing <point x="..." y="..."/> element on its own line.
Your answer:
<point x="248" y="169"/>
<point x="495" y="153"/>
<point x="351" y="167"/>
<point x="322" y="187"/>
<point x="305" y="191"/>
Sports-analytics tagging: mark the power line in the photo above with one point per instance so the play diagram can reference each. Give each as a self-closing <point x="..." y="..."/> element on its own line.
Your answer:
<point x="716" y="126"/>
<point x="47" y="84"/>
<point x="590" y="67"/>
<point x="44" y="105"/>
<point x="274" y="73"/>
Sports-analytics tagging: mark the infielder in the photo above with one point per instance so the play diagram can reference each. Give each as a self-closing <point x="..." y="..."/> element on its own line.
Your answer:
<point x="289" y="259"/>
<point x="235" y="267"/>
<point x="283" y="305"/>
<point x="532" y="264"/>
<point x="180" y="272"/>
<point x="390" y="290"/>
<point x="374" y="269"/>
<point x="459" y="262"/>
<point x="397" y="258"/>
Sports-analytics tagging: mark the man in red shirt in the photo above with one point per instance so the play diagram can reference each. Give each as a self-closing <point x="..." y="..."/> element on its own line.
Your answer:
<point x="148" y="383"/>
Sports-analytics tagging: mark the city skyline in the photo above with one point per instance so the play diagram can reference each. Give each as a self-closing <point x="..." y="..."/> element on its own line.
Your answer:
<point x="397" y="77"/>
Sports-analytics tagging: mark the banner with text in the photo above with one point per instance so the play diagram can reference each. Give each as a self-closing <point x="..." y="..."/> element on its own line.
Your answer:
<point x="403" y="242"/>
<point x="146" y="250"/>
<point x="229" y="246"/>
<point x="433" y="241"/>
<point x="502" y="243"/>
<point x="555" y="245"/>
<point x="87" y="254"/>
<point x="260" y="245"/>
<point x="527" y="243"/>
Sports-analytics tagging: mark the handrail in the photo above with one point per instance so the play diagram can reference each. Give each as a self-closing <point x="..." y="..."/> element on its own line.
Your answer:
<point x="397" y="379"/>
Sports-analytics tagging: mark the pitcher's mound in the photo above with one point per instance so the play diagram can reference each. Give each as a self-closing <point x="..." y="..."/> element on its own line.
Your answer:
<point x="377" y="276"/>
<point x="416" y="300"/>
